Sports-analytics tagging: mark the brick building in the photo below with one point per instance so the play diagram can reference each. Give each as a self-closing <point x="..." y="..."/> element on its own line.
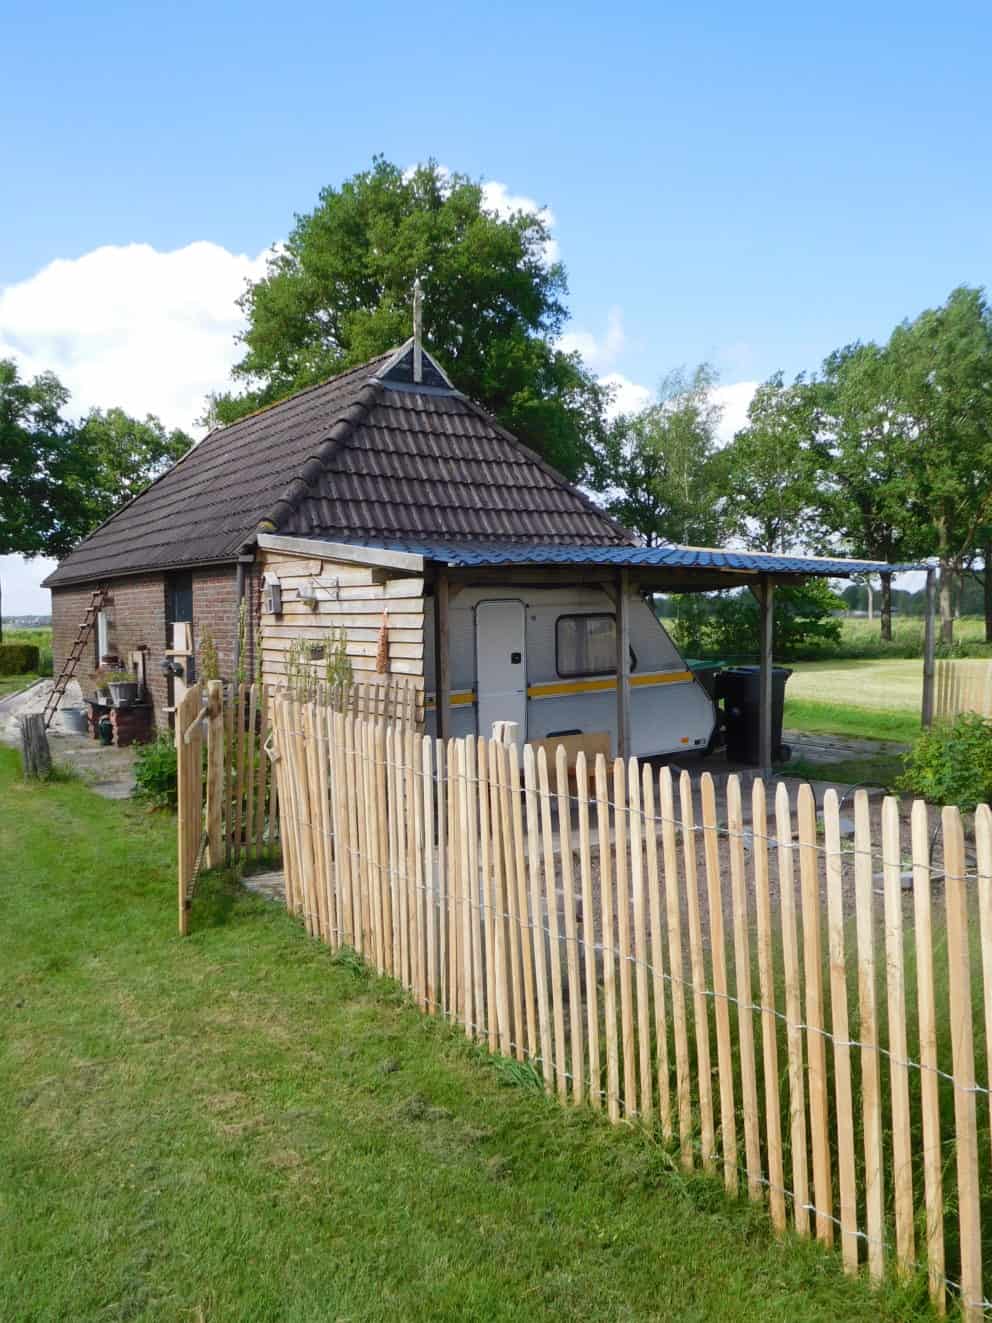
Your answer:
<point x="386" y="450"/>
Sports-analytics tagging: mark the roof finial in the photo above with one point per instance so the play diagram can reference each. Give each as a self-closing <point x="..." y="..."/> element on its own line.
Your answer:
<point x="418" y="352"/>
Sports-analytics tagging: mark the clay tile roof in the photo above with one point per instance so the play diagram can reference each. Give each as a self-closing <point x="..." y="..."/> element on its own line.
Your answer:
<point x="368" y="454"/>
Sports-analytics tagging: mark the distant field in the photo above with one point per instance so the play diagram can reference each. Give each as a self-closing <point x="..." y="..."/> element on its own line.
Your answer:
<point x="861" y="638"/>
<point x="896" y="685"/>
<point x="872" y="700"/>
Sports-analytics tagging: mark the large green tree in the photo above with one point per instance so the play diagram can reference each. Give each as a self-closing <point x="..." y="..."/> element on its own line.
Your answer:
<point x="941" y="375"/>
<point x="770" y="498"/>
<point x="339" y="291"/>
<point x="59" y="478"/>
<point x="661" y="472"/>
<point x="863" y="485"/>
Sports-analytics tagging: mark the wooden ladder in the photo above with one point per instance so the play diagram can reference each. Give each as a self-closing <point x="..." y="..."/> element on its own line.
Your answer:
<point x="68" y="670"/>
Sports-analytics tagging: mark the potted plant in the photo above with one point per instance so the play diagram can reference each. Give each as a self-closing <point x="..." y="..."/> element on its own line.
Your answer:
<point x="123" y="687"/>
<point x="98" y="679"/>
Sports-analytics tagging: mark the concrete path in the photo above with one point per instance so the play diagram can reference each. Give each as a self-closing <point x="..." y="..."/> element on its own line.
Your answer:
<point x="107" y="771"/>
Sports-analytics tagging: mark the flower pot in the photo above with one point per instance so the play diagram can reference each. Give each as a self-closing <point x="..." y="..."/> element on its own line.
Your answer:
<point x="123" y="692"/>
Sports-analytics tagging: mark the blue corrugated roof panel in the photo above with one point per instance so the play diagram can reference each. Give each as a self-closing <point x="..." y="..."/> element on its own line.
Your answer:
<point x="464" y="555"/>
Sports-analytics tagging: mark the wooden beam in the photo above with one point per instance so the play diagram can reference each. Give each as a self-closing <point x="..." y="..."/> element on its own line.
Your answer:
<point x="929" y="648"/>
<point x="442" y="655"/>
<point x="623" y="664"/>
<point x="348" y="553"/>
<point x="766" y="619"/>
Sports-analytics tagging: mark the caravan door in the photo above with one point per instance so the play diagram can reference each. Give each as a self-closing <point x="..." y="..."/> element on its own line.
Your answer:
<point x="501" y="665"/>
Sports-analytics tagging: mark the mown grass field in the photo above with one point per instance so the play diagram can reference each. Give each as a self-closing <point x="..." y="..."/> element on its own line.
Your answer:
<point x="872" y="699"/>
<point x="240" y="1127"/>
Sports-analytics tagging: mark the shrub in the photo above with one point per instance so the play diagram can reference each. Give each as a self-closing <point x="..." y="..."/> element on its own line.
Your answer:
<point x="951" y="763"/>
<point x="726" y="625"/>
<point x="18" y="658"/>
<point x="155" y="773"/>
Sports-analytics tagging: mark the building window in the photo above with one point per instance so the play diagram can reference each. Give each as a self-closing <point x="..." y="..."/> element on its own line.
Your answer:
<point x="587" y="645"/>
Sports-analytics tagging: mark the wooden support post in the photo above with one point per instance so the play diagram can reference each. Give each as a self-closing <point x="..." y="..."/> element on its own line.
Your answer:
<point x="34" y="747"/>
<point x="766" y="619"/>
<point x="442" y="657"/>
<point x="623" y="665"/>
<point x="929" y="649"/>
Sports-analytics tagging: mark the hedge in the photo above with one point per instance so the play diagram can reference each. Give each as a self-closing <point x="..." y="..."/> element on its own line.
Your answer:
<point x="18" y="658"/>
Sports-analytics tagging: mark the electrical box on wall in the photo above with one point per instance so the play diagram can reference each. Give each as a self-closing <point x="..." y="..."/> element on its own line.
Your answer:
<point x="271" y="595"/>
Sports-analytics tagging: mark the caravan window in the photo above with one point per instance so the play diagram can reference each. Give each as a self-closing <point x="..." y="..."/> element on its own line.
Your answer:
<point x="587" y="645"/>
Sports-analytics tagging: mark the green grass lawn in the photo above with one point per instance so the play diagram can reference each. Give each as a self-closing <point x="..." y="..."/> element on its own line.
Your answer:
<point x="873" y="699"/>
<point x="11" y="684"/>
<point x="241" y="1127"/>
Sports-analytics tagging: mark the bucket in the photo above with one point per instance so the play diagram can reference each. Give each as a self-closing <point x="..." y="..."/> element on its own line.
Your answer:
<point x="74" y="721"/>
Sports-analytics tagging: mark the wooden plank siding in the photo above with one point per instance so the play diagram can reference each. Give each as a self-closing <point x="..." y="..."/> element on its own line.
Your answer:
<point x="351" y="598"/>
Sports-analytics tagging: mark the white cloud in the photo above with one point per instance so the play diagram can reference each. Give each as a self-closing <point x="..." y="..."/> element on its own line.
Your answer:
<point x="150" y="331"/>
<point x="498" y="198"/>
<point x="20" y="584"/>
<point x="734" y="400"/>
<point x="599" y="352"/>
<point x="628" y="396"/>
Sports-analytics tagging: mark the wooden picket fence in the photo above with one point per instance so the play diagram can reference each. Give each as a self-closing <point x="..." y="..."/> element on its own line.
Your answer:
<point x="228" y="800"/>
<point x="789" y="1005"/>
<point x="962" y="686"/>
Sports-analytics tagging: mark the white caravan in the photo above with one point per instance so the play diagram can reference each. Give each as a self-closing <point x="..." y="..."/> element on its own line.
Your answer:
<point x="546" y="659"/>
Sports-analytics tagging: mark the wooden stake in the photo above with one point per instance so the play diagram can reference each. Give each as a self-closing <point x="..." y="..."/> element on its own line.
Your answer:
<point x="624" y="950"/>
<point x="793" y="1010"/>
<point x="534" y="871"/>
<point x="699" y="999"/>
<point x="841" y="1035"/>
<point x="520" y="876"/>
<point x="658" y="963"/>
<point x="640" y="939"/>
<point x="588" y="932"/>
<point x="963" y="1059"/>
<point x="871" y="1096"/>
<point x="576" y="1053"/>
<point x="902" y="1143"/>
<point x="554" y="938"/>
<point x="721" y="1006"/>
<point x="608" y="940"/>
<point x="766" y="984"/>
<point x="815" y="1043"/>
<point x="742" y="963"/>
<point x="926" y="1003"/>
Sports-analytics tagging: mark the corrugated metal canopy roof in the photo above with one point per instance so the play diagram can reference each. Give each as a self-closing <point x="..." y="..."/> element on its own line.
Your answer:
<point x="470" y="555"/>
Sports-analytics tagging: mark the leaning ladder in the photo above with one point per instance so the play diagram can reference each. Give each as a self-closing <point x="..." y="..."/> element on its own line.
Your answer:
<point x="68" y="670"/>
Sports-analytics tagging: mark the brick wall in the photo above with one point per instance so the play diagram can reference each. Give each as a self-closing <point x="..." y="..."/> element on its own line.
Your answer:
<point x="138" y="617"/>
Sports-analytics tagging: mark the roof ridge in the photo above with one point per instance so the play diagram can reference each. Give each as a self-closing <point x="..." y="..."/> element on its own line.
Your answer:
<point x="587" y="501"/>
<point x="313" y="468"/>
<point x="303" y="390"/>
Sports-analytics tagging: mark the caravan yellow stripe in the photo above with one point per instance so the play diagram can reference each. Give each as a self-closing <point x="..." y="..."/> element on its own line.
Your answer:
<point x="561" y="688"/>
<point x="558" y="689"/>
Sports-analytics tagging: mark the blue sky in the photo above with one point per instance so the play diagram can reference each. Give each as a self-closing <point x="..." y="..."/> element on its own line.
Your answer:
<point x="753" y="185"/>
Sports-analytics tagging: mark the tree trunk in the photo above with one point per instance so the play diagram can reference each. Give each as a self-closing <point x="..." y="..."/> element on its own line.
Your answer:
<point x="946" y="597"/>
<point x="887" y="608"/>
<point x="987" y="589"/>
<point x="34" y="746"/>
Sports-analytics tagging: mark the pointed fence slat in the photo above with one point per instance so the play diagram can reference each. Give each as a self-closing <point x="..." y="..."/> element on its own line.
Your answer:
<point x="816" y="1047"/>
<point x="871" y="1096"/>
<point x="926" y="1004"/>
<point x="700" y="1001"/>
